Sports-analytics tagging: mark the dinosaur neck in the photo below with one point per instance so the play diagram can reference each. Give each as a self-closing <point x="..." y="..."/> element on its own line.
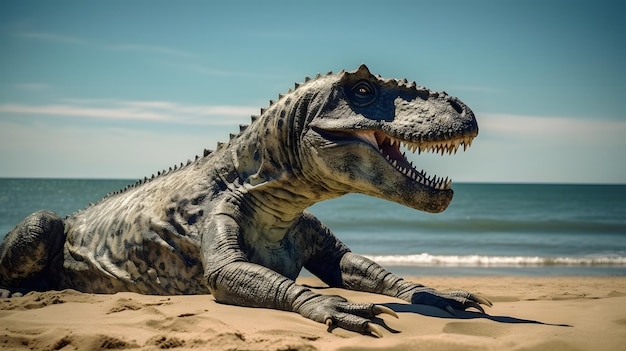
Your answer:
<point x="268" y="159"/>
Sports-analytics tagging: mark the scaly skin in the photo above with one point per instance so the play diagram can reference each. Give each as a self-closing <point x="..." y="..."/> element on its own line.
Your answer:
<point x="233" y="222"/>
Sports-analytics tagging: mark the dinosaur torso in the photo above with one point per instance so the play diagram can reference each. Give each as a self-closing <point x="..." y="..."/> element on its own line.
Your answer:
<point x="147" y="237"/>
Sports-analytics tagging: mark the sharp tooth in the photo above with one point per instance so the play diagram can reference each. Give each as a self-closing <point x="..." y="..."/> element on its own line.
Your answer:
<point x="368" y="137"/>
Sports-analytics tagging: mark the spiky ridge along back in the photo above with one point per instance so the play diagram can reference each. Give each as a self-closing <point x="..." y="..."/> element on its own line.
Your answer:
<point x="207" y="152"/>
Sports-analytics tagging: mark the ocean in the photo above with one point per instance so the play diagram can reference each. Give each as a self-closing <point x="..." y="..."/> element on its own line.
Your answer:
<point x="489" y="229"/>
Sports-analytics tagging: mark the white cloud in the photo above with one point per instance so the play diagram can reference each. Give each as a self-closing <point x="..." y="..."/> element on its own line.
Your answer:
<point x="52" y="37"/>
<point x="136" y="47"/>
<point x="71" y="151"/>
<point x="149" y="111"/>
<point x="557" y="130"/>
<point x="155" y="49"/>
<point x="32" y="86"/>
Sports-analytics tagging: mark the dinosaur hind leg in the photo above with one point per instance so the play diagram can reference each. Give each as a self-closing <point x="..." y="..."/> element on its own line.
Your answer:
<point x="30" y="255"/>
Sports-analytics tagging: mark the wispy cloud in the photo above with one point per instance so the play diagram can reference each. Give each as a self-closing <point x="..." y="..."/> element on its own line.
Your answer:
<point x="52" y="37"/>
<point x="166" y="55"/>
<point x="148" y="111"/>
<point x="573" y="130"/>
<point x="156" y="49"/>
<point x="32" y="86"/>
<point x="136" y="47"/>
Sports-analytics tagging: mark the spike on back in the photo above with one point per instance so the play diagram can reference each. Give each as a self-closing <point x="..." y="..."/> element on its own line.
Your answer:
<point x="207" y="152"/>
<point x="242" y="127"/>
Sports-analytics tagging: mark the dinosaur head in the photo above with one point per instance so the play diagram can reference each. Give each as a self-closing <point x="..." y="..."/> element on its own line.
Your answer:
<point x="356" y="131"/>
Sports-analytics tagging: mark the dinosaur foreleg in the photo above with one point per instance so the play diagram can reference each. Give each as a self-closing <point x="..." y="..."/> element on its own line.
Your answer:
<point x="248" y="284"/>
<point x="27" y="253"/>
<point x="234" y="280"/>
<point x="360" y="273"/>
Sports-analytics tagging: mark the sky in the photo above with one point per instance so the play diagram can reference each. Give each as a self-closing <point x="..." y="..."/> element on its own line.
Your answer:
<point x="123" y="89"/>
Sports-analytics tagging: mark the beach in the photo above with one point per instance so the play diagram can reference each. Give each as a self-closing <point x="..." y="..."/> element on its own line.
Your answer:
<point x="529" y="313"/>
<point x="552" y="259"/>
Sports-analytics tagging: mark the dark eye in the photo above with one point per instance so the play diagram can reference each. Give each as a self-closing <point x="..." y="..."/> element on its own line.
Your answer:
<point x="363" y="93"/>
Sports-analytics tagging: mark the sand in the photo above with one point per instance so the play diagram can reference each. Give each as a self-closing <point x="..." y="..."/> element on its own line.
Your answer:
<point x="529" y="313"/>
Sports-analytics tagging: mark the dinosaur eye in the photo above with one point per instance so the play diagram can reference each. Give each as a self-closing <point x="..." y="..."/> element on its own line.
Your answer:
<point x="363" y="93"/>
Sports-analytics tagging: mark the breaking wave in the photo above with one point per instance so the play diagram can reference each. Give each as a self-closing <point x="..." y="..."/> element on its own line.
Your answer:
<point x="425" y="259"/>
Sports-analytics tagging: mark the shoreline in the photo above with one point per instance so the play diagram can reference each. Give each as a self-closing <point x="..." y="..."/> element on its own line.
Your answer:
<point x="529" y="313"/>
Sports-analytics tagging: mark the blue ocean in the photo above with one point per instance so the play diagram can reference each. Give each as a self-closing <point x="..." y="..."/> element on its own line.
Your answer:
<point x="489" y="229"/>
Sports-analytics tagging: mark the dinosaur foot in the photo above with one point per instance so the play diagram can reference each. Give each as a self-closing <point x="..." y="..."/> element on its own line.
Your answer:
<point x="336" y="311"/>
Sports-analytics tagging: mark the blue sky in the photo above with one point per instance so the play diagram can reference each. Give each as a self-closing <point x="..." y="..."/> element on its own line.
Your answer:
<point x="122" y="89"/>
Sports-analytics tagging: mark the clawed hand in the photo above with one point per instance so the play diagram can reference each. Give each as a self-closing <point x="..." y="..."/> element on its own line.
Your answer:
<point x="449" y="300"/>
<point x="337" y="311"/>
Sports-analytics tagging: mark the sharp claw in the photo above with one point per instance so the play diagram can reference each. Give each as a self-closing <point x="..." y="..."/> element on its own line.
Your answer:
<point x="328" y="322"/>
<point x="482" y="300"/>
<point x="374" y="330"/>
<point x="476" y="306"/>
<point x="378" y="309"/>
<point x="450" y="310"/>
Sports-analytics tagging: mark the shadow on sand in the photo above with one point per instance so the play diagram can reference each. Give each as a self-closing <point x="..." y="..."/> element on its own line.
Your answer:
<point x="430" y="311"/>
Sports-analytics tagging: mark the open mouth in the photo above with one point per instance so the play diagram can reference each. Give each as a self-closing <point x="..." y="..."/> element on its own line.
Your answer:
<point x="389" y="148"/>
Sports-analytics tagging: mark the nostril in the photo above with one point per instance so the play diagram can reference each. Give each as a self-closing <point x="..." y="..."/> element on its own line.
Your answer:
<point x="457" y="105"/>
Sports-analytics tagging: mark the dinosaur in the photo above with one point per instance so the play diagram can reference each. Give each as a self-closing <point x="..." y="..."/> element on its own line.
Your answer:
<point x="233" y="222"/>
